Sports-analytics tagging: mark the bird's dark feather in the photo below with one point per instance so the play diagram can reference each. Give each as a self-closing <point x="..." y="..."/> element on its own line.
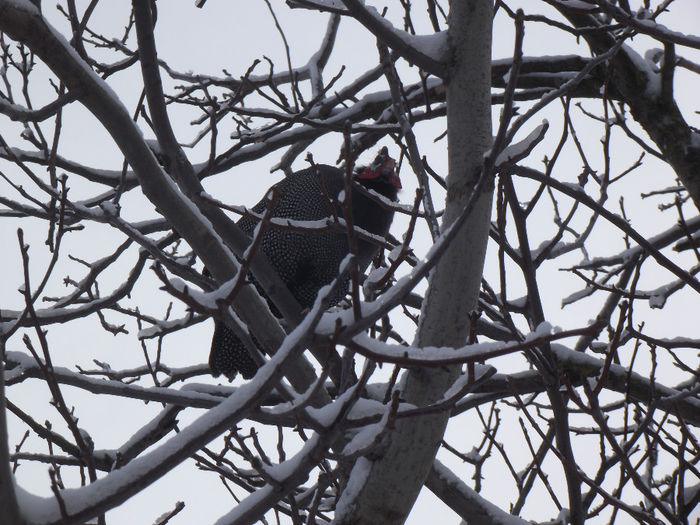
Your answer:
<point x="306" y="261"/>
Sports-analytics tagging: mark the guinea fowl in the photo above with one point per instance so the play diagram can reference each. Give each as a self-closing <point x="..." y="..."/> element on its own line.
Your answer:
<point x="306" y="261"/>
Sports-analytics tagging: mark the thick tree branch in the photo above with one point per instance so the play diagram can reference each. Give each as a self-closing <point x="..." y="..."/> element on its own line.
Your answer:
<point x="639" y="87"/>
<point x="398" y="41"/>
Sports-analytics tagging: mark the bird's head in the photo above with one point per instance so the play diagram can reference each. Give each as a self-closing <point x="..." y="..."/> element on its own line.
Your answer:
<point x="383" y="169"/>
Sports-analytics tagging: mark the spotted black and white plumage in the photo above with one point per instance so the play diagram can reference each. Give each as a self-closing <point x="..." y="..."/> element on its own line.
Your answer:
<point x="306" y="261"/>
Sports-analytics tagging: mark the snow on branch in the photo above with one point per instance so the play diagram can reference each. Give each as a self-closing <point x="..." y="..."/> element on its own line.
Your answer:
<point x="287" y="475"/>
<point x="444" y="356"/>
<point x="121" y="484"/>
<point x="427" y="52"/>
<point x="465" y="501"/>
<point x="24" y="366"/>
<point x="620" y="379"/>
<point x="643" y="24"/>
<point x="575" y="192"/>
<point x="658" y="241"/>
<point x="516" y="152"/>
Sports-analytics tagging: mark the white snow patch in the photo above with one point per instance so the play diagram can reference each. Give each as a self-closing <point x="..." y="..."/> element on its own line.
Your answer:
<point x="517" y="150"/>
<point x="358" y="478"/>
<point x="653" y="87"/>
<point x="366" y="436"/>
<point x="284" y="470"/>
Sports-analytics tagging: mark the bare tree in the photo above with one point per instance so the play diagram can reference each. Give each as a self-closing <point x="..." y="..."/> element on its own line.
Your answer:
<point x="524" y="346"/>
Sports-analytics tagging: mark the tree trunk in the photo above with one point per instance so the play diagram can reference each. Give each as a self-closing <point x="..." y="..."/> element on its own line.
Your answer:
<point x="9" y="510"/>
<point x="383" y="490"/>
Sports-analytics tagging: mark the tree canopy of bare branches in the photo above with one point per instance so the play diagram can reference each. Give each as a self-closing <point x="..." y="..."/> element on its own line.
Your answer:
<point x="524" y="349"/>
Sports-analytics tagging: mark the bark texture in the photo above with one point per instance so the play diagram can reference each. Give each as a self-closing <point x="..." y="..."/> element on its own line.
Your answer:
<point x="396" y="477"/>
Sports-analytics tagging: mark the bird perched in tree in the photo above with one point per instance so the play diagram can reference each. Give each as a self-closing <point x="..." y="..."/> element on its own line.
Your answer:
<point x="306" y="261"/>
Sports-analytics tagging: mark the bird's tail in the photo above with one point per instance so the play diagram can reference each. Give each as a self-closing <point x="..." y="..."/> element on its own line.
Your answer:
<point x="228" y="354"/>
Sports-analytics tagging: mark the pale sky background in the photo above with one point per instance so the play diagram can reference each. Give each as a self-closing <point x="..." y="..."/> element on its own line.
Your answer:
<point x="231" y="35"/>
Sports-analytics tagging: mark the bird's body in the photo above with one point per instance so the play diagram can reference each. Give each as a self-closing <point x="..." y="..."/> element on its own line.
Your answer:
<point x="306" y="261"/>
